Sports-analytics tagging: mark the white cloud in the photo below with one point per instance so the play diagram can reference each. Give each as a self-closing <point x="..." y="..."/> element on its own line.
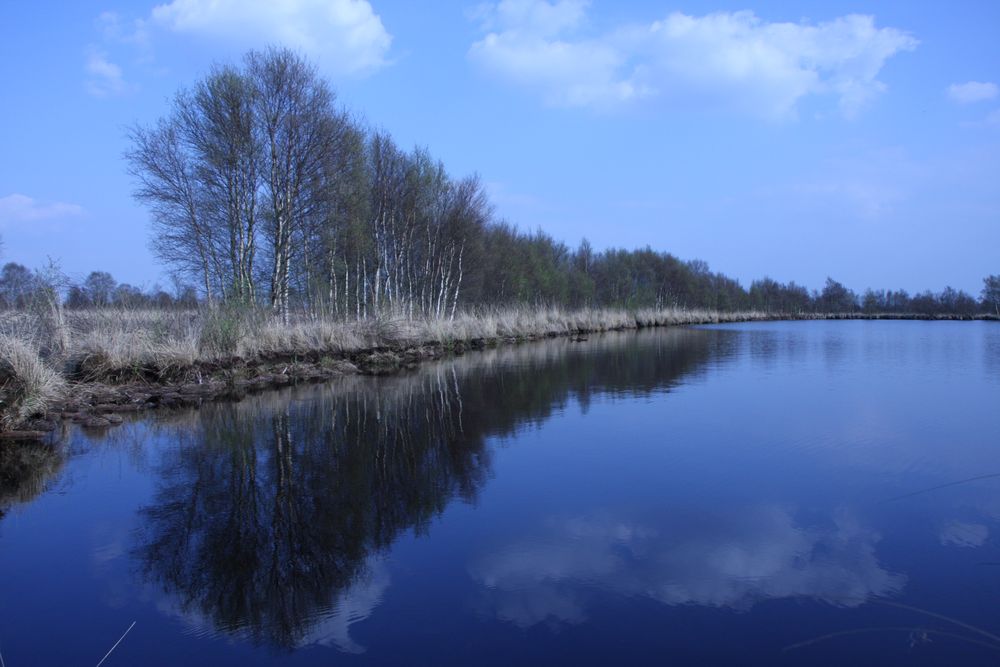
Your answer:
<point x="344" y="36"/>
<point x="732" y="60"/>
<point x="972" y="91"/>
<point x="539" y="18"/>
<point x="17" y="208"/>
<point x="104" y="77"/>
<point x="523" y="46"/>
<point x="115" y="28"/>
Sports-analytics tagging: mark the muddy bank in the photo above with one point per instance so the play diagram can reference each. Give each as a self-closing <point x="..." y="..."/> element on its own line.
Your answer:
<point x="104" y="404"/>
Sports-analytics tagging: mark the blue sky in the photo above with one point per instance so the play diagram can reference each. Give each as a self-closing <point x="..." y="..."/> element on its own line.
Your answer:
<point x="859" y="140"/>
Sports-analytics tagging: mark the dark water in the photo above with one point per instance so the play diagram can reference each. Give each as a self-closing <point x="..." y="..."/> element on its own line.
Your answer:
<point x="781" y="493"/>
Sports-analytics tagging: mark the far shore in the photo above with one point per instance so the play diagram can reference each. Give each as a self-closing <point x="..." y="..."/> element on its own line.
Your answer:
<point x="104" y="364"/>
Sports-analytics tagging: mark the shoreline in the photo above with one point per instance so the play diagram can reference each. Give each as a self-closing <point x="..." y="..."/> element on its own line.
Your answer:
<point x="100" y="403"/>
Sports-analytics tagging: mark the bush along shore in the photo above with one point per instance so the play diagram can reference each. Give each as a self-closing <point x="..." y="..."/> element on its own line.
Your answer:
<point x="91" y="367"/>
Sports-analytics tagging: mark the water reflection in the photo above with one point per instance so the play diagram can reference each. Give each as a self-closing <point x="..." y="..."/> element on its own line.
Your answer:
<point x="730" y="560"/>
<point x="271" y="514"/>
<point x="681" y="500"/>
<point x="270" y="508"/>
<point x="327" y="625"/>
<point x="26" y="470"/>
<point x="964" y="534"/>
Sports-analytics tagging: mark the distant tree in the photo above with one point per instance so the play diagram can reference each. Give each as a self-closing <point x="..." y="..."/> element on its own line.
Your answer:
<point x="964" y="303"/>
<point x="17" y="283"/>
<point x="128" y="296"/>
<point x="991" y="293"/>
<point x="898" y="301"/>
<point x="925" y="303"/>
<point x="186" y="297"/>
<point x="873" y="301"/>
<point x="835" y="298"/>
<point x="158" y="298"/>
<point x="77" y="298"/>
<point x="767" y="295"/>
<point x="99" y="288"/>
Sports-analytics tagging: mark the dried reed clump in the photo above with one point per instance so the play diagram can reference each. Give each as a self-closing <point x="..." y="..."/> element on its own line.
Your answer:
<point x="126" y="343"/>
<point x="27" y="385"/>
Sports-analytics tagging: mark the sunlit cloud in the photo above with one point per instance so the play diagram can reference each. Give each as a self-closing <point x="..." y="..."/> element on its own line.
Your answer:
<point x="728" y="60"/>
<point x="346" y="37"/>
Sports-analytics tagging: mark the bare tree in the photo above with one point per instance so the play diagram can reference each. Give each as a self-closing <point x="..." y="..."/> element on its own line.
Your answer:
<point x="258" y="162"/>
<point x="217" y="122"/>
<point x="168" y="184"/>
<point x="294" y="110"/>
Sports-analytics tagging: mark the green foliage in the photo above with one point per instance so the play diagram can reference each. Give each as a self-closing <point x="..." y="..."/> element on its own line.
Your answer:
<point x="225" y="328"/>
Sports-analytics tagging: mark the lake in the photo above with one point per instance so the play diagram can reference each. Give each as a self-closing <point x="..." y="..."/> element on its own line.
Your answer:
<point x="771" y="493"/>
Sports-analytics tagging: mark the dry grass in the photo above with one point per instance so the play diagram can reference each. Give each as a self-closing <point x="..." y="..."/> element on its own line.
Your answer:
<point x="27" y="384"/>
<point x="39" y="348"/>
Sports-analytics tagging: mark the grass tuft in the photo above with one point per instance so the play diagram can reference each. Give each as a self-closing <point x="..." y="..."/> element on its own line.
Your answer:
<point x="27" y="385"/>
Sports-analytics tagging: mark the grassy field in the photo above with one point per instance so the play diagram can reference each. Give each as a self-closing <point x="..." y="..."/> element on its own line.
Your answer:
<point x="45" y="354"/>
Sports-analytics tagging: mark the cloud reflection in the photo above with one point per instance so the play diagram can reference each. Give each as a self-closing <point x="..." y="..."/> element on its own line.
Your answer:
<point x="730" y="561"/>
<point x="329" y="626"/>
<point x="964" y="534"/>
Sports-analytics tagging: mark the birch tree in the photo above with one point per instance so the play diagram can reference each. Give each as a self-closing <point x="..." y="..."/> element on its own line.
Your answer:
<point x="196" y="170"/>
<point x="295" y="115"/>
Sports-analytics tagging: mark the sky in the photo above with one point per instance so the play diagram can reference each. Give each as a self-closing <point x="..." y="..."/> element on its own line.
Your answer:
<point x="858" y="140"/>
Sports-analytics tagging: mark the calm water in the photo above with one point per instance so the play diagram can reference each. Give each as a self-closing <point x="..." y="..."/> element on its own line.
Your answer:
<point x="779" y="493"/>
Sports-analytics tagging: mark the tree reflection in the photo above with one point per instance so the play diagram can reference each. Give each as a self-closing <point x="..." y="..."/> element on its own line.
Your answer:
<point x="268" y="511"/>
<point x="26" y="470"/>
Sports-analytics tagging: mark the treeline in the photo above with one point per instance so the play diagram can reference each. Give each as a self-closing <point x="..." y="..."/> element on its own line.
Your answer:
<point x="262" y="190"/>
<point x="547" y="272"/>
<point x="770" y="296"/>
<point x="22" y="288"/>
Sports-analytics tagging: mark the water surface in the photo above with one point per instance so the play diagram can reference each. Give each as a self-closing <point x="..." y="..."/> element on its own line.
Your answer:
<point x="771" y="493"/>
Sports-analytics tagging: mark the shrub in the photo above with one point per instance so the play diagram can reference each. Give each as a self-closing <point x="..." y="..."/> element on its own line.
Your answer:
<point x="225" y="329"/>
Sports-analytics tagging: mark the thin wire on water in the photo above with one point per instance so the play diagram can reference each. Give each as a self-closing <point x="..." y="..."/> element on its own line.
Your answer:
<point x="911" y="629"/>
<point x="113" y="647"/>
<point x="942" y="486"/>
<point x="994" y="642"/>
